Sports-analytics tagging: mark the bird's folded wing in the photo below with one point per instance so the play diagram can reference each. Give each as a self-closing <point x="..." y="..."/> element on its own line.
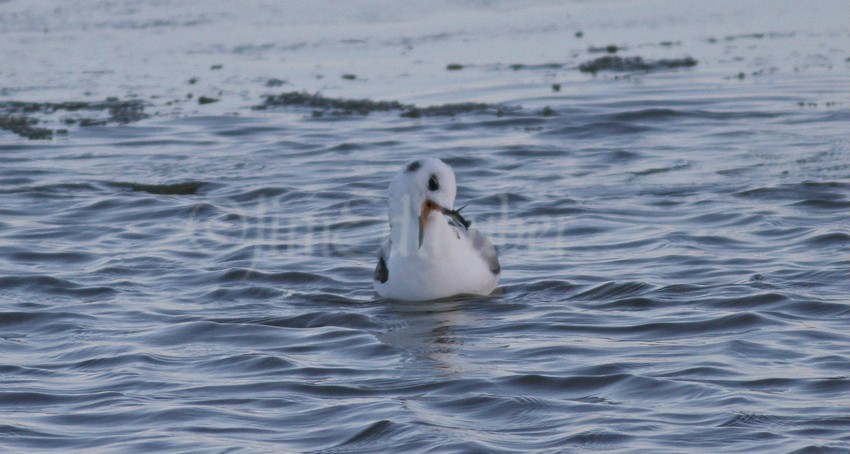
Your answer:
<point x="485" y="249"/>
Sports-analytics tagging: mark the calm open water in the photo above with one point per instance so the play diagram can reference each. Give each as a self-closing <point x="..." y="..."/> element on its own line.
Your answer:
<point x="193" y="273"/>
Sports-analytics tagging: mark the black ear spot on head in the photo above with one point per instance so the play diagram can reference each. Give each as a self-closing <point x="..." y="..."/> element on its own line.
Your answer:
<point x="413" y="166"/>
<point x="433" y="184"/>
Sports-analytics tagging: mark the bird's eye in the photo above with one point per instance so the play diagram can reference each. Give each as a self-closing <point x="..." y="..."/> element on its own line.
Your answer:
<point x="433" y="184"/>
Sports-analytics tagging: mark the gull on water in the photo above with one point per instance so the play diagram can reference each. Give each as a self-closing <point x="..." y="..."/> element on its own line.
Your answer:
<point x="432" y="252"/>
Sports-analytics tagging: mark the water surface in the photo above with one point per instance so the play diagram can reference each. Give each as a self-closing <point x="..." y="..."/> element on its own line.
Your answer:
<point x="179" y="273"/>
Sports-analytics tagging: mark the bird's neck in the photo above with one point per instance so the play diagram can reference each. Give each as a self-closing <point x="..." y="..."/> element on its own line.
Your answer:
<point x="404" y="231"/>
<point x="405" y="236"/>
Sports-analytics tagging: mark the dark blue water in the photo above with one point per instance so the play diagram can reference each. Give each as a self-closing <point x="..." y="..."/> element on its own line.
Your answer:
<point x="675" y="246"/>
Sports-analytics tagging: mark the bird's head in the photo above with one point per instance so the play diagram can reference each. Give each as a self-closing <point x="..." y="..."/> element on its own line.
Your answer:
<point x="420" y="188"/>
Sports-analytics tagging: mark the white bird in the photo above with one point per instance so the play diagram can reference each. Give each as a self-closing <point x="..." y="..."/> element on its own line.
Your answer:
<point x="432" y="253"/>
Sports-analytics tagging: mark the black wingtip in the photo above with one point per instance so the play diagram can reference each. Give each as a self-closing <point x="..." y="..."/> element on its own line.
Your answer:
<point x="382" y="274"/>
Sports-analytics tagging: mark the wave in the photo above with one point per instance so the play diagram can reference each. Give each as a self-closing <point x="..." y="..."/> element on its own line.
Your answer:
<point x="52" y="285"/>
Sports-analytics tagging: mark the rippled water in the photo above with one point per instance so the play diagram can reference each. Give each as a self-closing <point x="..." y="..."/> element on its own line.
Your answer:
<point x="675" y="242"/>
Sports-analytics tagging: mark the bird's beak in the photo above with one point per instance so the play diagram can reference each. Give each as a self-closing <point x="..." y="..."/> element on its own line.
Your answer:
<point x="427" y="206"/>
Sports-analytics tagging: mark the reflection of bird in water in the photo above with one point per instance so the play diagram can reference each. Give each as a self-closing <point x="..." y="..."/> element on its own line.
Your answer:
<point x="432" y="253"/>
<point x="427" y="334"/>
